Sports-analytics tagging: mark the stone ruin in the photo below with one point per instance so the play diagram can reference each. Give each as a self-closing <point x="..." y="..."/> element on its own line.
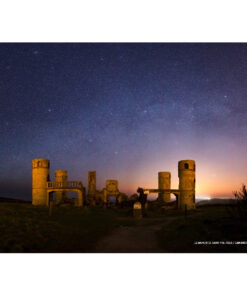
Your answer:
<point x="101" y="197"/>
<point x="185" y="194"/>
<point x="43" y="188"/>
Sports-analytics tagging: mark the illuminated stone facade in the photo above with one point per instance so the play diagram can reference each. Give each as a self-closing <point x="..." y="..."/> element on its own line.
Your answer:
<point x="185" y="194"/>
<point x="92" y="182"/>
<point x="164" y="182"/>
<point x="43" y="188"/>
<point x="40" y="177"/>
<point x="61" y="176"/>
<point x="187" y="182"/>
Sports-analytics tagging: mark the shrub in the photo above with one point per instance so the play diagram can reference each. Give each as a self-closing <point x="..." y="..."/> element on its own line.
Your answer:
<point x="241" y="197"/>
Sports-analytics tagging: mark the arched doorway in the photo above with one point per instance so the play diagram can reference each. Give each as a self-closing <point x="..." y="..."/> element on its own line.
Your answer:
<point x="77" y="202"/>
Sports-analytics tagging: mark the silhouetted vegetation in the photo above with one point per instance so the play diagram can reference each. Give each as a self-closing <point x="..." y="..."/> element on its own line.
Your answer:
<point x="241" y="197"/>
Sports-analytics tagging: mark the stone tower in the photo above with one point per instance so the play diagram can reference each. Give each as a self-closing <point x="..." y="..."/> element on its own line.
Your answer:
<point x="187" y="182"/>
<point x="61" y="176"/>
<point x="164" y="183"/>
<point x="92" y="183"/>
<point x="40" y="175"/>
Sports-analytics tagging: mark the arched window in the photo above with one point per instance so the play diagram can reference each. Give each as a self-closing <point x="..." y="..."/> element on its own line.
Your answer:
<point x="186" y="166"/>
<point x="38" y="164"/>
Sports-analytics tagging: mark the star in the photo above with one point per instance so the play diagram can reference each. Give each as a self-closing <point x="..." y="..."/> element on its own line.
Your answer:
<point x="121" y="108"/>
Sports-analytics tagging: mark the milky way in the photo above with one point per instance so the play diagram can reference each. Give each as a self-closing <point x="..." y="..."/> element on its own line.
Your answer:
<point x="124" y="110"/>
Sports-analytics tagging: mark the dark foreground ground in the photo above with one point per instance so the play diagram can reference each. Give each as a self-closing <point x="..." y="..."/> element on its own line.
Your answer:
<point x="215" y="228"/>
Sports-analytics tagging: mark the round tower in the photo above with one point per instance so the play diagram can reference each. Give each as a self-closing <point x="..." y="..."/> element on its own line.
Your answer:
<point x="40" y="176"/>
<point x="164" y="183"/>
<point x="187" y="182"/>
<point x="61" y="177"/>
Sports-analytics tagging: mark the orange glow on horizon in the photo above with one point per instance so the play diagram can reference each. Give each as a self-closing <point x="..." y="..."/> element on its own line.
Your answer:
<point x="211" y="181"/>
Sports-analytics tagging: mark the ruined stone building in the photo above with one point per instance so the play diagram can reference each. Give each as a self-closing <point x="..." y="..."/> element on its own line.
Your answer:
<point x="185" y="194"/>
<point x="43" y="188"/>
<point x="102" y="196"/>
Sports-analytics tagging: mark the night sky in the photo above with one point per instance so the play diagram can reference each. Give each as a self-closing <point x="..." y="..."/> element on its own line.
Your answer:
<point x="126" y="111"/>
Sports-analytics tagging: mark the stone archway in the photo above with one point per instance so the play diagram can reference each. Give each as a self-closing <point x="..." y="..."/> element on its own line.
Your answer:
<point x="79" y="201"/>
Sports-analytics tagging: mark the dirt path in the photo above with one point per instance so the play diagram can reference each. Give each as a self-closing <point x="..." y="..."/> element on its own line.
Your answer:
<point x="136" y="239"/>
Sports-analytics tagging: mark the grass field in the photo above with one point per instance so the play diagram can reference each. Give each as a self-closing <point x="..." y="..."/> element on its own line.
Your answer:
<point x="208" y="229"/>
<point x="24" y="228"/>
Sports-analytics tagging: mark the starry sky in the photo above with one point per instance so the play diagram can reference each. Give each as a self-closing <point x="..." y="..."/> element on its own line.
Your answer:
<point x="125" y="110"/>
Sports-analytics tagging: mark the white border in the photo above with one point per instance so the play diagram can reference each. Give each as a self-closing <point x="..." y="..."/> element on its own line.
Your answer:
<point x="114" y="274"/>
<point x="122" y="21"/>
